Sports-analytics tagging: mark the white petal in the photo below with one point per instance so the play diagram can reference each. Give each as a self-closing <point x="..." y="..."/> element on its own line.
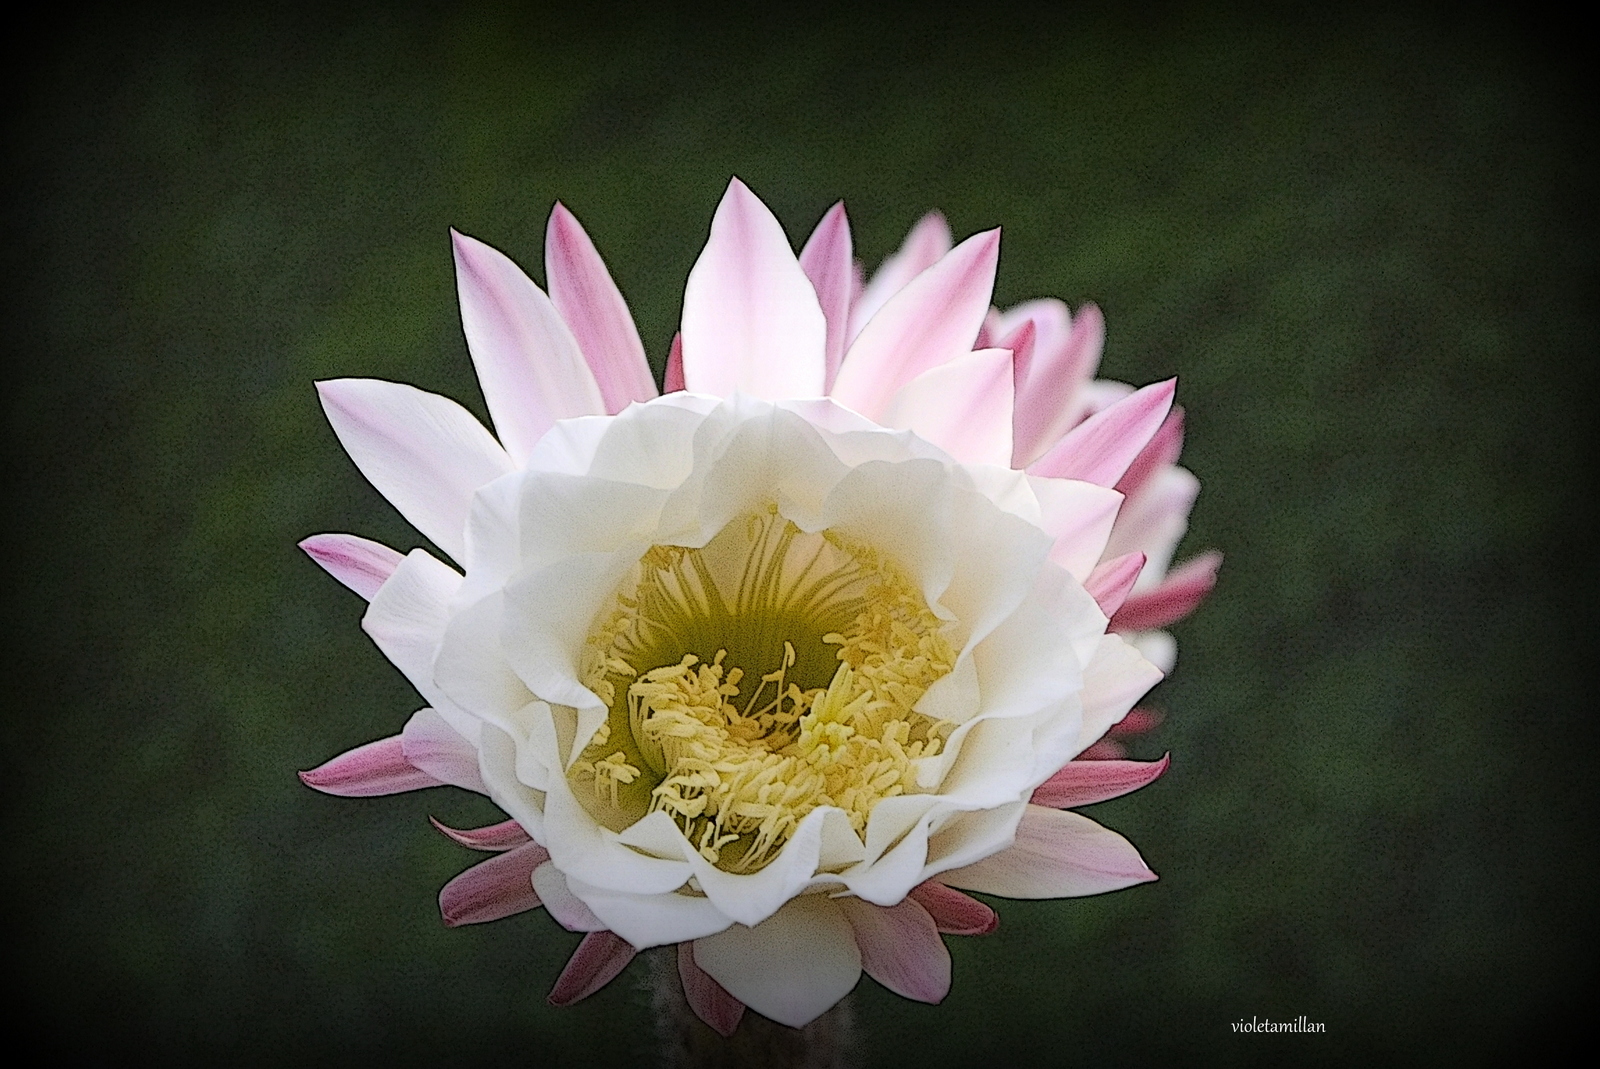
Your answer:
<point x="967" y="837"/>
<point x="1157" y="647"/>
<point x="588" y="852"/>
<point x="751" y="321"/>
<point x="423" y="452"/>
<point x="651" y="920"/>
<point x="497" y="759"/>
<point x="751" y="898"/>
<point x="791" y="968"/>
<point x="407" y="618"/>
<point x="892" y="876"/>
<point x="1114" y="679"/>
<point x="471" y="668"/>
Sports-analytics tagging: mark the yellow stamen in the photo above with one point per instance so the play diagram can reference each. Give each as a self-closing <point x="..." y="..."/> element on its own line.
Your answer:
<point x="833" y="724"/>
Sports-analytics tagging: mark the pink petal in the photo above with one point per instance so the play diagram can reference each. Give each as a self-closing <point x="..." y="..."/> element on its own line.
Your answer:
<point x="1154" y="520"/>
<point x="990" y="332"/>
<point x="1104" y="750"/>
<point x="934" y="319"/>
<point x="962" y="406"/>
<point x="1163" y="449"/>
<point x="827" y="263"/>
<point x="1137" y="722"/>
<point x="927" y="242"/>
<point x="1057" y="854"/>
<point x="708" y="999"/>
<point x="367" y="771"/>
<point x="900" y="947"/>
<point x="358" y="563"/>
<point x="751" y="321"/>
<point x="596" y="962"/>
<point x="1100" y="449"/>
<point x="493" y="889"/>
<point x="953" y="912"/>
<point x="423" y="452"/>
<point x="439" y="750"/>
<point x="1088" y="782"/>
<point x="674" y="374"/>
<point x="583" y="292"/>
<point x="1022" y="342"/>
<point x="1172" y="599"/>
<point x="494" y="838"/>
<point x="1111" y="580"/>
<point x="528" y="362"/>
<point x="1050" y="402"/>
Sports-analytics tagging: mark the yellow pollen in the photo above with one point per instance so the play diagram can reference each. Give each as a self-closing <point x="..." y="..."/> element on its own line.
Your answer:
<point x="841" y="645"/>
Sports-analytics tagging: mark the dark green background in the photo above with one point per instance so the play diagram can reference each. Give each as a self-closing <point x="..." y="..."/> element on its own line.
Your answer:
<point x="1361" y="239"/>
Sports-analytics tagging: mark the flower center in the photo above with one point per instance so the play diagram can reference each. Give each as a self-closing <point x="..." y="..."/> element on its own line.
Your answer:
<point x="752" y="680"/>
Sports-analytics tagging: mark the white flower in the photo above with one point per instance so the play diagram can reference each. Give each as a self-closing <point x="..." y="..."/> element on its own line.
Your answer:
<point x="768" y="667"/>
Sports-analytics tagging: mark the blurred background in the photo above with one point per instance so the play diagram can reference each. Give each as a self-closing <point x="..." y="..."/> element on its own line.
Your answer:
<point x="1362" y="240"/>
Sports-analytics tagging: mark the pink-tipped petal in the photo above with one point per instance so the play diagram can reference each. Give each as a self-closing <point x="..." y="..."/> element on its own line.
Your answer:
<point x="1051" y="400"/>
<point x="493" y="889"/>
<point x="439" y="750"/>
<point x="423" y="452"/>
<point x="673" y="379"/>
<point x="990" y="333"/>
<point x="1080" y="517"/>
<point x="751" y="321"/>
<point x="359" y="563"/>
<point x="596" y="962"/>
<point x="827" y="263"/>
<point x="1051" y="319"/>
<point x="528" y="362"/>
<point x="1088" y="782"/>
<point x="927" y="242"/>
<point x="494" y="838"/>
<point x="1100" y="449"/>
<point x="955" y="913"/>
<point x="963" y="407"/>
<point x="568" y="909"/>
<point x="900" y="948"/>
<point x="367" y="771"/>
<point x="1111" y="580"/>
<point x="1163" y="449"/>
<point x="1104" y="750"/>
<point x="1057" y="854"/>
<point x="708" y="999"/>
<point x="1175" y="597"/>
<point x="933" y="320"/>
<point x="1154" y="520"/>
<point x="583" y="292"/>
<point x="1022" y="343"/>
